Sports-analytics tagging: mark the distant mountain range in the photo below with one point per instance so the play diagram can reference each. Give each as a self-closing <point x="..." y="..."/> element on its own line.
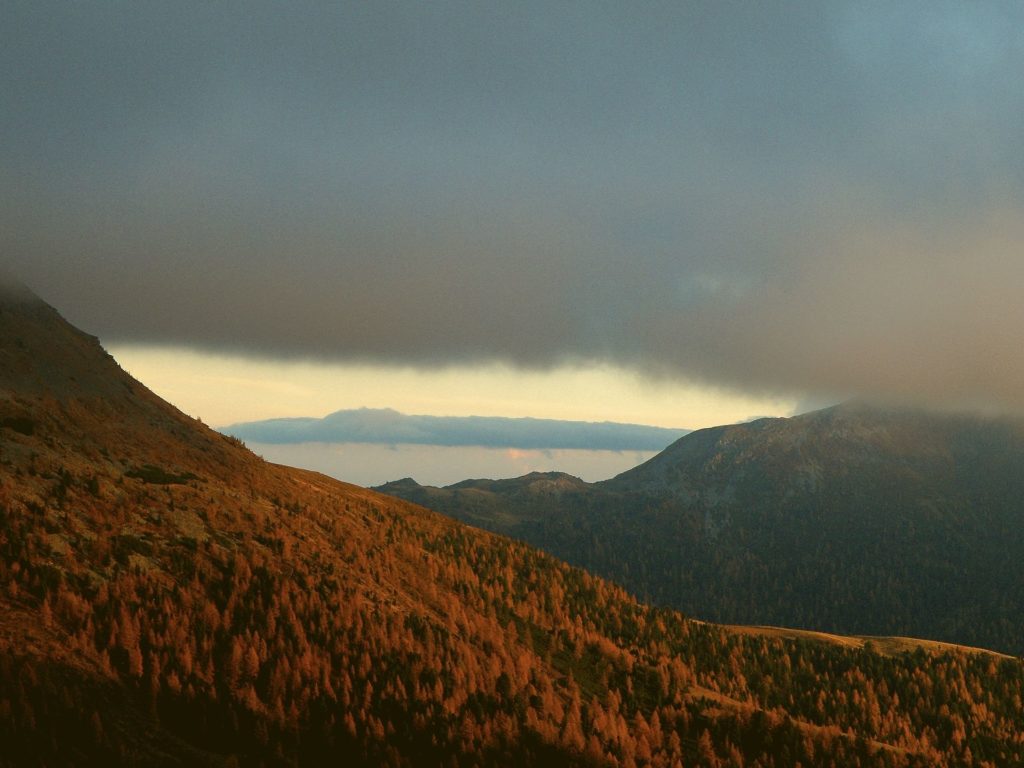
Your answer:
<point x="383" y="425"/>
<point x="850" y="519"/>
<point x="167" y="598"/>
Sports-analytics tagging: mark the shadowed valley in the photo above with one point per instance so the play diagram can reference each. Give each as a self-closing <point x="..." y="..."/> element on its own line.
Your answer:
<point x="852" y="519"/>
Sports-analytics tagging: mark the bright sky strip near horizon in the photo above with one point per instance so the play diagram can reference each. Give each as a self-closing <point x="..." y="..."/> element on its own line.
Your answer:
<point x="226" y="389"/>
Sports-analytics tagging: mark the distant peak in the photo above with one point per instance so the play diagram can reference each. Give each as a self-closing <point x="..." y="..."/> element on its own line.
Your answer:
<point x="405" y="482"/>
<point x="548" y="476"/>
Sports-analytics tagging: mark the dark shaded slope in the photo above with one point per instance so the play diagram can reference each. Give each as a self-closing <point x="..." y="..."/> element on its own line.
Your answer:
<point x="851" y="519"/>
<point x="495" y="504"/>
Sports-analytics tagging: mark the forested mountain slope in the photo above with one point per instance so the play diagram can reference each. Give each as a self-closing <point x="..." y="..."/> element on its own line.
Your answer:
<point x="167" y="598"/>
<point x="852" y="519"/>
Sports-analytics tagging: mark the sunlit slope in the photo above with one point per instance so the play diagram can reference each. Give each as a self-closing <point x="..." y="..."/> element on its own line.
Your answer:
<point x="168" y="598"/>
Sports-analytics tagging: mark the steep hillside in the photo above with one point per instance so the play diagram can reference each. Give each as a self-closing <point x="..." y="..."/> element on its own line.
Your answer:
<point x="166" y="598"/>
<point x="851" y="519"/>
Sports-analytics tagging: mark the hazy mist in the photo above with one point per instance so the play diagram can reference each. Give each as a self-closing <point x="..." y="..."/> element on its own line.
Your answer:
<point x="375" y="464"/>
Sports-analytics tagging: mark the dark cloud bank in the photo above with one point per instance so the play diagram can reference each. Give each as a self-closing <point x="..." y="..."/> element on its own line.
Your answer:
<point x="383" y="425"/>
<point x="819" y="198"/>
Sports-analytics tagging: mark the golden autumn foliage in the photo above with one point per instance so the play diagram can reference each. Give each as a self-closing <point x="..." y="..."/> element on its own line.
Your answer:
<point x="168" y="598"/>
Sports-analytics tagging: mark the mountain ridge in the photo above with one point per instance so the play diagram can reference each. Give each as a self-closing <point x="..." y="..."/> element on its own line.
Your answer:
<point x="388" y="426"/>
<point x="851" y="519"/>
<point x="167" y="598"/>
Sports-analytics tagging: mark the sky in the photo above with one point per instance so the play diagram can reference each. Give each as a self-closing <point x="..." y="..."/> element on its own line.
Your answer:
<point x="758" y="206"/>
<point x="225" y="389"/>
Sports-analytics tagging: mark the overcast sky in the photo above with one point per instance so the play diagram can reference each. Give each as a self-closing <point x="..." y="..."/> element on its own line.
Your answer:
<point x="788" y="200"/>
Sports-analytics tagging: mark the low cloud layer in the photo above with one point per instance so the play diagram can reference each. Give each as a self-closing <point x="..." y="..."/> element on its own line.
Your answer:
<point x="820" y="198"/>
<point x="389" y="427"/>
